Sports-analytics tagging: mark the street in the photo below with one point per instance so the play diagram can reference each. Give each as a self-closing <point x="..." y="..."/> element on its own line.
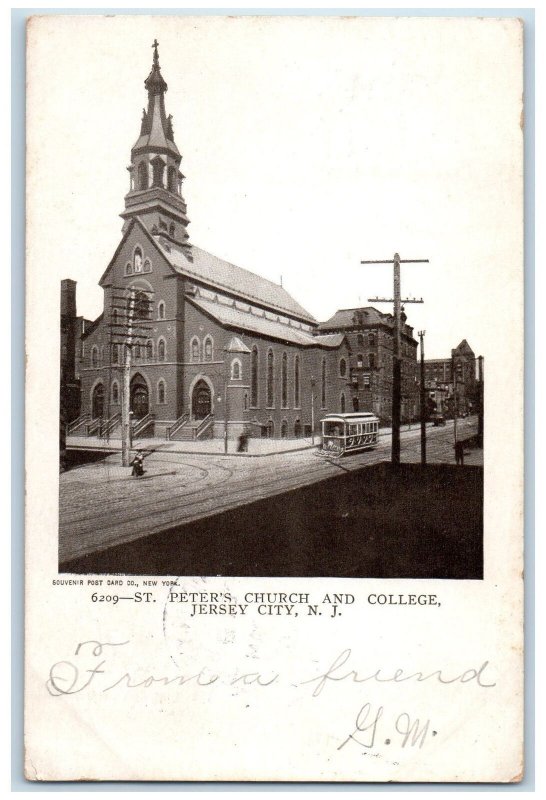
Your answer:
<point x="101" y="505"/>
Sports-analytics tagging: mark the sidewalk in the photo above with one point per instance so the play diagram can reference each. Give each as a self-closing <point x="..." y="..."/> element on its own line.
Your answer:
<point x="256" y="447"/>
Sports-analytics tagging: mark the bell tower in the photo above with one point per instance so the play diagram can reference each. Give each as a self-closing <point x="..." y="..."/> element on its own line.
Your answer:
<point x="155" y="193"/>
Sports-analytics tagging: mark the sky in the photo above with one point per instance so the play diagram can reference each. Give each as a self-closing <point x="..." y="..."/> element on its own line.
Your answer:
<point x="308" y="144"/>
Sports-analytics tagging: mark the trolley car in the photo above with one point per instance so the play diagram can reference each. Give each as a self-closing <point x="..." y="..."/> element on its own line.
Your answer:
<point x="348" y="433"/>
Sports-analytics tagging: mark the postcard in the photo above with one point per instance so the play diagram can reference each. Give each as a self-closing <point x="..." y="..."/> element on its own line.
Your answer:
<point x="274" y="410"/>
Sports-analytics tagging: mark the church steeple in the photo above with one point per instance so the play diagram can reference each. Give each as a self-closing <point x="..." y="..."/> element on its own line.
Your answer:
<point x="155" y="194"/>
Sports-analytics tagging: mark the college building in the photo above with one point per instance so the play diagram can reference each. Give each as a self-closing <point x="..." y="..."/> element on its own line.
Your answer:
<point x="451" y="381"/>
<point x="214" y="348"/>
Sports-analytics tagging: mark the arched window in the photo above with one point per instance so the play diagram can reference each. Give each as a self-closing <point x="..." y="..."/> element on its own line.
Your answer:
<point x="297" y="428"/>
<point x="235" y="370"/>
<point x="371" y="360"/>
<point x="115" y="354"/>
<point x="207" y="348"/>
<point x="115" y="393"/>
<point x="172" y="180"/>
<point x="147" y="266"/>
<point x="360" y="340"/>
<point x="158" y="168"/>
<point x="161" y="350"/>
<point x="359" y="361"/>
<point x="136" y="352"/>
<point x="355" y="404"/>
<point x="342" y="404"/>
<point x="171" y="227"/>
<point x="161" y="392"/>
<point x="245" y="401"/>
<point x="323" y="384"/>
<point x="297" y="398"/>
<point x="95" y="356"/>
<point x="128" y="268"/>
<point x="142" y="305"/>
<point x="371" y="339"/>
<point x="254" y="378"/>
<point x="284" y="381"/>
<point x="137" y="260"/>
<point x="194" y="347"/>
<point x="143" y="175"/>
<point x="149" y="350"/>
<point x="270" y="379"/>
<point x="284" y="429"/>
<point x="161" y="310"/>
<point x="342" y="367"/>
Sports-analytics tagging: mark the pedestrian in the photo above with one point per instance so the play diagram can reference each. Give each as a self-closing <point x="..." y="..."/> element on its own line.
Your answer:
<point x="138" y="464"/>
<point x="459" y="453"/>
<point x="242" y="446"/>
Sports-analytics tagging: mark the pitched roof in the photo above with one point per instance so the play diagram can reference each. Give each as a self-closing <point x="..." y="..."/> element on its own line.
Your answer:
<point x="222" y="274"/>
<point x="232" y="317"/>
<point x="329" y="339"/>
<point x="345" y="318"/>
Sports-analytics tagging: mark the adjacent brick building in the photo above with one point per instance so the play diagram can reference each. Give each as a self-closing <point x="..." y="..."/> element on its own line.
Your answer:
<point x="370" y="334"/>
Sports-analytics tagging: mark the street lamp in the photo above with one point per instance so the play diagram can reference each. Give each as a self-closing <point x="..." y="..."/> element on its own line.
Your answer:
<point x="131" y="414"/>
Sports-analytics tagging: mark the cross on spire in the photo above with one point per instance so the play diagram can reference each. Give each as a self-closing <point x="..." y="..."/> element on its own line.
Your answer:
<point x="155" y="45"/>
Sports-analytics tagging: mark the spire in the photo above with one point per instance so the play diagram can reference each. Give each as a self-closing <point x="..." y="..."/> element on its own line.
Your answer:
<point x="154" y="83"/>
<point x="155" y="194"/>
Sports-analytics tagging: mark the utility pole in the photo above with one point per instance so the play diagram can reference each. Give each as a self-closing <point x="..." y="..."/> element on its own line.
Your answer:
<point x="455" y="401"/>
<point x="423" y="402"/>
<point x="130" y="326"/>
<point x="226" y="379"/>
<point x="312" y="410"/>
<point x="480" y="401"/>
<point x="396" y="366"/>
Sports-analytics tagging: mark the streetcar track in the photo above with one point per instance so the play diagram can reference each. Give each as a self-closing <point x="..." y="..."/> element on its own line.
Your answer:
<point x="153" y="503"/>
<point x="236" y="499"/>
<point x="208" y="504"/>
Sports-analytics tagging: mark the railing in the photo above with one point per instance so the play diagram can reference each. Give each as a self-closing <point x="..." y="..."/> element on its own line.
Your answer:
<point x="109" y="424"/>
<point x="93" y="427"/>
<point x="142" y="424"/>
<point x="180" y="422"/>
<point x="77" y="423"/>
<point x="203" y="426"/>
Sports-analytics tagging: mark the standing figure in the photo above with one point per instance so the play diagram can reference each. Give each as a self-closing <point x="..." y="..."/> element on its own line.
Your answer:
<point x="138" y="464"/>
<point x="242" y="446"/>
<point x="459" y="453"/>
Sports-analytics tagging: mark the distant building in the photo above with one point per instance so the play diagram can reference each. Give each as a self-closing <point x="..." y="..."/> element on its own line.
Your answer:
<point x="445" y="376"/>
<point x="370" y="334"/>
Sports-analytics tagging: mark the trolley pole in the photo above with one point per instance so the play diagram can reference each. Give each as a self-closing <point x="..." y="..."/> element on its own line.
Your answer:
<point x="396" y="364"/>
<point x="423" y="402"/>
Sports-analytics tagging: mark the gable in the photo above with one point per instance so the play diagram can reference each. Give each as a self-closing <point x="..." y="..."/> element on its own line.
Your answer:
<point x="123" y="267"/>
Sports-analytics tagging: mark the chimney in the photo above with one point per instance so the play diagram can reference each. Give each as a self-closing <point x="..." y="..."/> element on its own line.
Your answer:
<point x="68" y="298"/>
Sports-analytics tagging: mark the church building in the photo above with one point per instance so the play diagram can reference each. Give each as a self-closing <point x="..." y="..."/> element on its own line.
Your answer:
<point x="213" y="347"/>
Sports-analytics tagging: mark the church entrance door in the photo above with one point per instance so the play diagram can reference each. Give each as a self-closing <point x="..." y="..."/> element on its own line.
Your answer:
<point x="139" y="397"/>
<point x="98" y="401"/>
<point x="201" y="400"/>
